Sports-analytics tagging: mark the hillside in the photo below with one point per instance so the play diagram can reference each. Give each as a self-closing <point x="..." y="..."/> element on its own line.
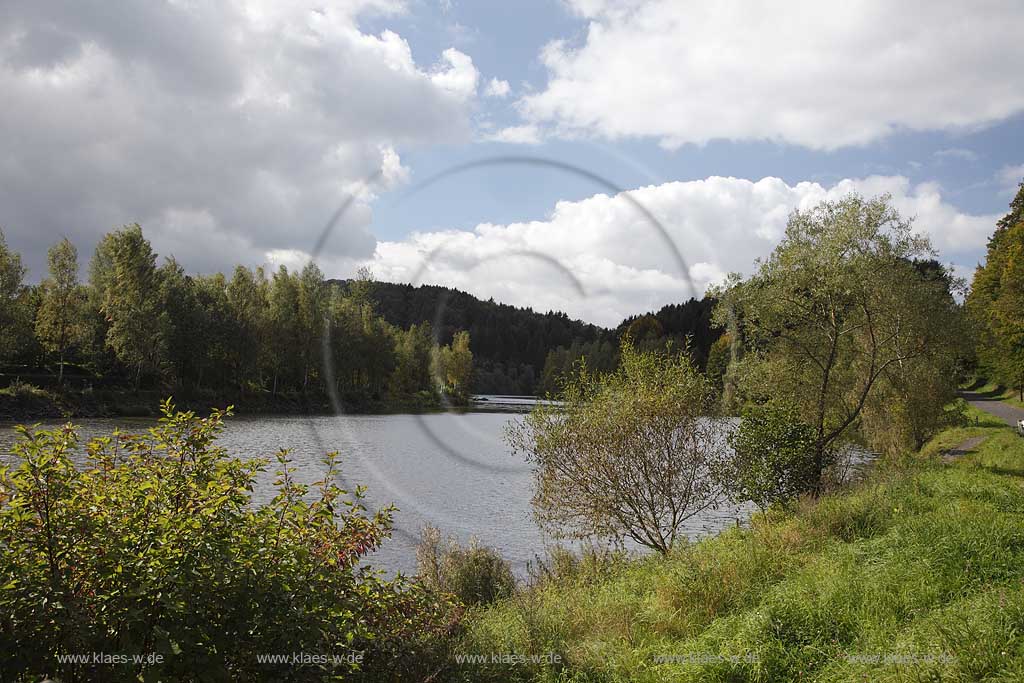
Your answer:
<point x="509" y="344"/>
<point x="516" y="348"/>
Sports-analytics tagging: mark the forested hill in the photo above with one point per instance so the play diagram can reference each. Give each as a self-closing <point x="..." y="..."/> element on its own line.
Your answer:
<point x="518" y="350"/>
<point x="509" y="344"/>
<point x="691" y="319"/>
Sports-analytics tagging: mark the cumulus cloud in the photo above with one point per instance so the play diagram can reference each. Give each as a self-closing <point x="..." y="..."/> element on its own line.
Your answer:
<point x="457" y="74"/>
<point x="498" y="88"/>
<point x="600" y="259"/>
<point x="228" y="129"/>
<point x="516" y="135"/>
<point x="809" y="73"/>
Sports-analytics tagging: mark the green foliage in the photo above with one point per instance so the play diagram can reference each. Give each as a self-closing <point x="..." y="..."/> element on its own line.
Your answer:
<point x="774" y="456"/>
<point x="718" y="361"/>
<point x="996" y="301"/>
<point x="509" y="344"/>
<point x="213" y="339"/>
<point x="14" y="314"/>
<point x="688" y="324"/>
<point x="840" y="310"/>
<point x="453" y="367"/>
<point x="130" y="302"/>
<point x="560" y="364"/>
<point x="60" y="320"/>
<point x="475" y="575"/>
<point x="917" y="573"/>
<point x="154" y="546"/>
<point x="561" y="566"/>
<point x="414" y="351"/>
<point x="630" y="454"/>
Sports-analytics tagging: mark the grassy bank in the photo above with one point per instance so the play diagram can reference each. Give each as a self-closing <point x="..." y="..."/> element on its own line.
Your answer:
<point x="915" y="574"/>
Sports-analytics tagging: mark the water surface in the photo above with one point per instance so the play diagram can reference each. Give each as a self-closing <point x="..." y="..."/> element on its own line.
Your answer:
<point x="448" y="469"/>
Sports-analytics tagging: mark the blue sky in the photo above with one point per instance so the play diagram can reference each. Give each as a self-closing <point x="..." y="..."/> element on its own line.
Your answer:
<point x="232" y="130"/>
<point x="505" y="40"/>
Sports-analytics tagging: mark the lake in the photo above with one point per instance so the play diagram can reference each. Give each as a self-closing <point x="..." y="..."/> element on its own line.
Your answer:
<point x="452" y="470"/>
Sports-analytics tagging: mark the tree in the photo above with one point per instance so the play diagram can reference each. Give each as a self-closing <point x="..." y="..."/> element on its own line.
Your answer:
<point x="647" y="332"/>
<point x="914" y="398"/>
<point x="833" y="310"/>
<point x="994" y="302"/>
<point x="13" y="311"/>
<point x="312" y="292"/>
<point x="413" y="351"/>
<point x="283" y="338"/>
<point x="131" y="302"/>
<point x="773" y="456"/>
<point x="453" y="366"/>
<point x="631" y="454"/>
<point x="60" y="321"/>
<point x="185" y="327"/>
<point x="246" y="294"/>
<point x="718" y="361"/>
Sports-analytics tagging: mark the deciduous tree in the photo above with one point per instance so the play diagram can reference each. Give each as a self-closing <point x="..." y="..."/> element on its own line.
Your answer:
<point x="13" y="309"/>
<point x="60" y="321"/>
<point x="835" y="309"/>
<point x="632" y="454"/>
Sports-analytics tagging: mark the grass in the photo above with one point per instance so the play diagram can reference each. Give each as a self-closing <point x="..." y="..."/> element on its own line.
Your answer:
<point x="917" y="574"/>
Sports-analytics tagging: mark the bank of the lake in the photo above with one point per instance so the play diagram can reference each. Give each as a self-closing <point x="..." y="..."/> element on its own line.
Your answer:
<point x="915" y="574"/>
<point x="26" y="403"/>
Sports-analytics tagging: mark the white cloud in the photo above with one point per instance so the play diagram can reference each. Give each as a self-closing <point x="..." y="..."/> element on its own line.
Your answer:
<point x="228" y="129"/>
<point x="804" y="72"/>
<point x="517" y="135"/>
<point x="621" y="263"/>
<point x="1010" y="177"/>
<point x="498" y="88"/>
<point x="457" y="74"/>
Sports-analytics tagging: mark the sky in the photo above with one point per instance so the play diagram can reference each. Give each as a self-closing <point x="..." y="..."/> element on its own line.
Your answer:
<point x="600" y="157"/>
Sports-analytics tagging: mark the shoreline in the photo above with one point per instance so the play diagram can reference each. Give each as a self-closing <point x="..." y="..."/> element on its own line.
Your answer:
<point x="28" y="404"/>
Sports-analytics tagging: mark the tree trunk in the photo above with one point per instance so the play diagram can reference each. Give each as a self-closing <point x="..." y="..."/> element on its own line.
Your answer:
<point x="60" y="373"/>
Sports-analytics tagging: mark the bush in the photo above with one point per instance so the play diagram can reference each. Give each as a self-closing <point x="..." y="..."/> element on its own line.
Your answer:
<point x="153" y="548"/>
<point x="774" y="456"/>
<point x="476" y="575"/>
<point x="563" y="566"/>
<point x="633" y="454"/>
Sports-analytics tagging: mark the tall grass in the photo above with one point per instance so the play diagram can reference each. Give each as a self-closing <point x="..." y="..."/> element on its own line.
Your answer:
<point x="915" y="574"/>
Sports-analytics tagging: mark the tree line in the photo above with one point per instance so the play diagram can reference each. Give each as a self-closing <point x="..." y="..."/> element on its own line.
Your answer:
<point x="248" y="337"/>
<point x="522" y="351"/>
<point x="996" y="301"/>
<point x="510" y="344"/>
<point x="689" y="326"/>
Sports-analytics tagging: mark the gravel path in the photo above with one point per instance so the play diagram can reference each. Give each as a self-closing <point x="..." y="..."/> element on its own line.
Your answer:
<point x="1004" y="411"/>
<point x="963" y="449"/>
